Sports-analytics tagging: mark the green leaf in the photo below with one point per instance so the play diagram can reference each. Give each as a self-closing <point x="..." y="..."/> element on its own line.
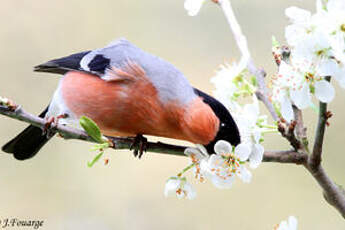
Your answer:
<point x="97" y="157"/>
<point x="91" y="128"/>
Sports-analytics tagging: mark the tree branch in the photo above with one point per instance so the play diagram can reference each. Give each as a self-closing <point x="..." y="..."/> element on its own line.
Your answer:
<point x="77" y="134"/>
<point x="315" y="158"/>
<point x="333" y="193"/>
<point x="301" y="131"/>
<point x="16" y="112"/>
<point x="288" y="156"/>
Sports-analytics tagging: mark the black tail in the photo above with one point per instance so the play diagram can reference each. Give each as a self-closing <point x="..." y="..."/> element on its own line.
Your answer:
<point x="27" y="143"/>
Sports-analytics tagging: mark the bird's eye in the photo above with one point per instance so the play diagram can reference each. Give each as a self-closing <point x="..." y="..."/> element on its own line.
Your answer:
<point x="222" y="125"/>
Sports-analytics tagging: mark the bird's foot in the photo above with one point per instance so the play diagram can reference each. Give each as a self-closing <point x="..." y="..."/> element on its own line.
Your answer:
<point x="51" y="123"/>
<point x="139" y="145"/>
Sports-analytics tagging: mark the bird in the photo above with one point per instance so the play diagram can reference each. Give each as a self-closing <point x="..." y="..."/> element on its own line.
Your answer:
<point x="128" y="92"/>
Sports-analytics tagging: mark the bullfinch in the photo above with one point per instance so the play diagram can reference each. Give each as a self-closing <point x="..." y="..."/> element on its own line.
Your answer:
<point x="128" y="92"/>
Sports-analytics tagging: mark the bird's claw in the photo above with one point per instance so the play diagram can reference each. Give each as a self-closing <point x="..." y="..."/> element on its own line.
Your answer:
<point x="50" y="124"/>
<point x="139" y="145"/>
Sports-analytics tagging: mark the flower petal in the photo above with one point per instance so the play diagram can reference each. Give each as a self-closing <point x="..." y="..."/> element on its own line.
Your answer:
<point x="286" y="109"/>
<point x="171" y="186"/>
<point x="319" y="6"/>
<point x="301" y="98"/>
<point x="199" y="152"/>
<point x="193" y="6"/>
<point x="244" y="174"/>
<point x="222" y="183"/>
<point x="292" y="223"/>
<point x="205" y="169"/>
<point x="297" y="15"/>
<point x="190" y="151"/>
<point x="207" y="165"/>
<point x="256" y="134"/>
<point x="327" y="67"/>
<point x="252" y="111"/>
<point x="324" y="91"/>
<point x="189" y="189"/>
<point x="283" y="226"/>
<point x="257" y="155"/>
<point x="222" y="147"/>
<point x="203" y="150"/>
<point x="335" y="5"/>
<point x="293" y="34"/>
<point x="242" y="151"/>
<point x="340" y="76"/>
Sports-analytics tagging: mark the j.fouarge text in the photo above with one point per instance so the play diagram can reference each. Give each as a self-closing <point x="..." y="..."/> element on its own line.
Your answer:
<point x="18" y="223"/>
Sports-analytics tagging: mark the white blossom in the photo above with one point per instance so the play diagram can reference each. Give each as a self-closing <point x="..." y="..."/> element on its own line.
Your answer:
<point x="222" y="167"/>
<point x="250" y="125"/>
<point x="338" y="50"/>
<point x="331" y="17"/>
<point x="230" y="83"/>
<point x="180" y="187"/>
<point x="291" y="224"/>
<point x="193" y="6"/>
<point x="286" y="109"/>
<point x="317" y="43"/>
<point x="324" y="91"/>
<point x="298" y="16"/>
<point x="295" y="81"/>
<point x="339" y="75"/>
<point x="226" y="82"/>
<point x="287" y="83"/>
<point x="199" y="152"/>
<point x="301" y="25"/>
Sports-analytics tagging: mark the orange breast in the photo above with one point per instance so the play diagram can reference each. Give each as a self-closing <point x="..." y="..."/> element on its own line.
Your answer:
<point x="127" y="108"/>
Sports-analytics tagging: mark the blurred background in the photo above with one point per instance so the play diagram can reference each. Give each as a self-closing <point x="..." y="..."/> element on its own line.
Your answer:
<point x="59" y="188"/>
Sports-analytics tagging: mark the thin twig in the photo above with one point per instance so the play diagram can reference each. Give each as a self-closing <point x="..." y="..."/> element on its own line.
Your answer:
<point x="315" y="158"/>
<point x="125" y="143"/>
<point x="287" y="130"/>
<point x="246" y="59"/>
